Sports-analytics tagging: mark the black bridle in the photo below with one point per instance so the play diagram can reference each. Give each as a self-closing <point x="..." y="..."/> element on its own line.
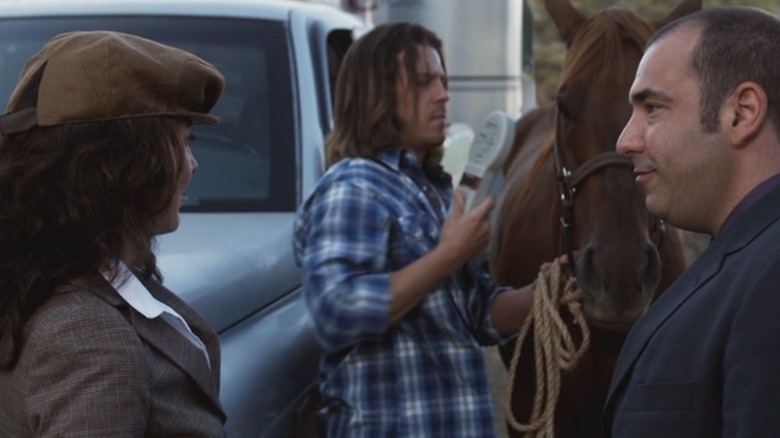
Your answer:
<point x="568" y="183"/>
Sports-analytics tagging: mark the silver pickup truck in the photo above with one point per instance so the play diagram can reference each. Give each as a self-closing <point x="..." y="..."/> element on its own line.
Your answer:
<point x="232" y="257"/>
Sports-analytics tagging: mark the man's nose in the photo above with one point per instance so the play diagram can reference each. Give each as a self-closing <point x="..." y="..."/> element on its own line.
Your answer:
<point x="630" y="141"/>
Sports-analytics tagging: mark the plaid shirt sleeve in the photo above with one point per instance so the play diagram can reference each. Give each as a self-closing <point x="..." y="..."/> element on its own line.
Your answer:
<point x="341" y="237"/>
<point x="482" y="291"/>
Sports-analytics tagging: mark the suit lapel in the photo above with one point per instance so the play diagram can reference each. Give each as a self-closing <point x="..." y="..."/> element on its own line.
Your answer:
<point x="165" y="339"/>
<point x="706" y="266"/>
<point x="703" y="269"/>
<point x="171" y="344"/>
<point x="177" y="348"/>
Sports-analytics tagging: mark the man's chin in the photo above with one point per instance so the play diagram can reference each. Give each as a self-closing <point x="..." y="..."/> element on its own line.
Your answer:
<point x="656" y="207"/>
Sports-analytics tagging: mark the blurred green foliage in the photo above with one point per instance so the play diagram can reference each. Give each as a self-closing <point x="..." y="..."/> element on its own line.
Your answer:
<point x="549" y="50"/>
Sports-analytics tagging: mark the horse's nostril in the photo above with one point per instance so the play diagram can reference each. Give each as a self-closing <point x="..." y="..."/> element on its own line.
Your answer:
<point x="652" y="268"/>
<point x="652" y="262"/>
<point x="587" y="265"/>
<point x="587" y="257"/>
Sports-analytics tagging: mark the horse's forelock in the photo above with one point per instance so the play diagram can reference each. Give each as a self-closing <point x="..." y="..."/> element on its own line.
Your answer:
<point x="597" y="48"/>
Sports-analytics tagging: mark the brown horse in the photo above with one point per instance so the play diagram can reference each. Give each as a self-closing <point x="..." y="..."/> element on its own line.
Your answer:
<point x="567" y="191"/>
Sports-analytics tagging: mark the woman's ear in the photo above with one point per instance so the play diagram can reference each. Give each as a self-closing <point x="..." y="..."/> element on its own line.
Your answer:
<point x="744" y="113"/>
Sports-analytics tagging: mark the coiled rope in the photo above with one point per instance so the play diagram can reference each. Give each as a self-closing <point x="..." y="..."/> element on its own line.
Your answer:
<point x="554" y="348"/>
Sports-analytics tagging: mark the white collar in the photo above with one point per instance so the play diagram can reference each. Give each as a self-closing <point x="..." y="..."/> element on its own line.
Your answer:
<point x="130" y="288"/>
<point x="136" y="294"/>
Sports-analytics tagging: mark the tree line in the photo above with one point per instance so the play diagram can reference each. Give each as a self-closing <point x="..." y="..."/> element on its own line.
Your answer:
<point x="549" y="51"/>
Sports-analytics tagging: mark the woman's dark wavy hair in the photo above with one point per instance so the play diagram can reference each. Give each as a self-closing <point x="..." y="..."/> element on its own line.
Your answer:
<point x="75" y="199"/>
<point x="365" y="97"/>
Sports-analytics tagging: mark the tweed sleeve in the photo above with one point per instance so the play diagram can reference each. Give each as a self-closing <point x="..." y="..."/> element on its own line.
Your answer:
<point x="85" y="373"/>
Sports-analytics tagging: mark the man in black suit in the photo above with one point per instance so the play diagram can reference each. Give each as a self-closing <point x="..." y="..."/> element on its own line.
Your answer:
<point x="704" y="360"/>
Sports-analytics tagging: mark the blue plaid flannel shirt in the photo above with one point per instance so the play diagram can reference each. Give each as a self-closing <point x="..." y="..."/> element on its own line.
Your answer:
<point x="424" y="376"/>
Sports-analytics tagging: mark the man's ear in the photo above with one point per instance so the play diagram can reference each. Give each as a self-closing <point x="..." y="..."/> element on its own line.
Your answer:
<point x="744" y="113"/>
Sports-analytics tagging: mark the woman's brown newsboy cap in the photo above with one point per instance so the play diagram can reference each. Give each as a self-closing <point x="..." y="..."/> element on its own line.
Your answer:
<point x="101" y="75"/>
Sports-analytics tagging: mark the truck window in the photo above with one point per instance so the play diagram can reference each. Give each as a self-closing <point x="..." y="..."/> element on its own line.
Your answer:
<point x="247" y="161"/>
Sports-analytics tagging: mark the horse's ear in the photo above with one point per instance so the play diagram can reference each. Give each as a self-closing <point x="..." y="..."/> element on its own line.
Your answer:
<point x="566" y="18"/>
<point x="683" y="8"/>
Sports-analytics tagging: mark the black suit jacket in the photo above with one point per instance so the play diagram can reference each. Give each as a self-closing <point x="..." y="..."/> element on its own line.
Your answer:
<point x="704" y="361"/>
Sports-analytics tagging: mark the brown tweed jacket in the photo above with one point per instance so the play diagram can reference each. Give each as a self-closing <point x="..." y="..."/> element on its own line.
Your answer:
<point x="91" y="366"/>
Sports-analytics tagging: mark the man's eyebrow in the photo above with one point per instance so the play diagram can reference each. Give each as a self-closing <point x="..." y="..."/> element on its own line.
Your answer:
<point x="648" y="93"/>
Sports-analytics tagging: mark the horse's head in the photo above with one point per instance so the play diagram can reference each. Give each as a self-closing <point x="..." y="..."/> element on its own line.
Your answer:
<point x="602" y="209"/>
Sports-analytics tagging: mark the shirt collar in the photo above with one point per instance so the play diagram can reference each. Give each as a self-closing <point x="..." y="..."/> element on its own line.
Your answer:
<point x="392" y="157"/>
<point x="397" y="158"/>
<point x="130" y="288"/>
<point x="754" y="195"/>
<point x="136" y="294"/>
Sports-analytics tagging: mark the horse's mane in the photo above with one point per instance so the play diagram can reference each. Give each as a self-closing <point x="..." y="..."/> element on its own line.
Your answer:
<point x="529" y="182"/>
<point x="541" y="115"/>
<point x="596" y="49"/>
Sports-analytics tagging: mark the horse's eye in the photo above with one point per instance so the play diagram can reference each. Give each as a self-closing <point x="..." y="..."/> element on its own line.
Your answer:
<point x="563" y="109"/>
